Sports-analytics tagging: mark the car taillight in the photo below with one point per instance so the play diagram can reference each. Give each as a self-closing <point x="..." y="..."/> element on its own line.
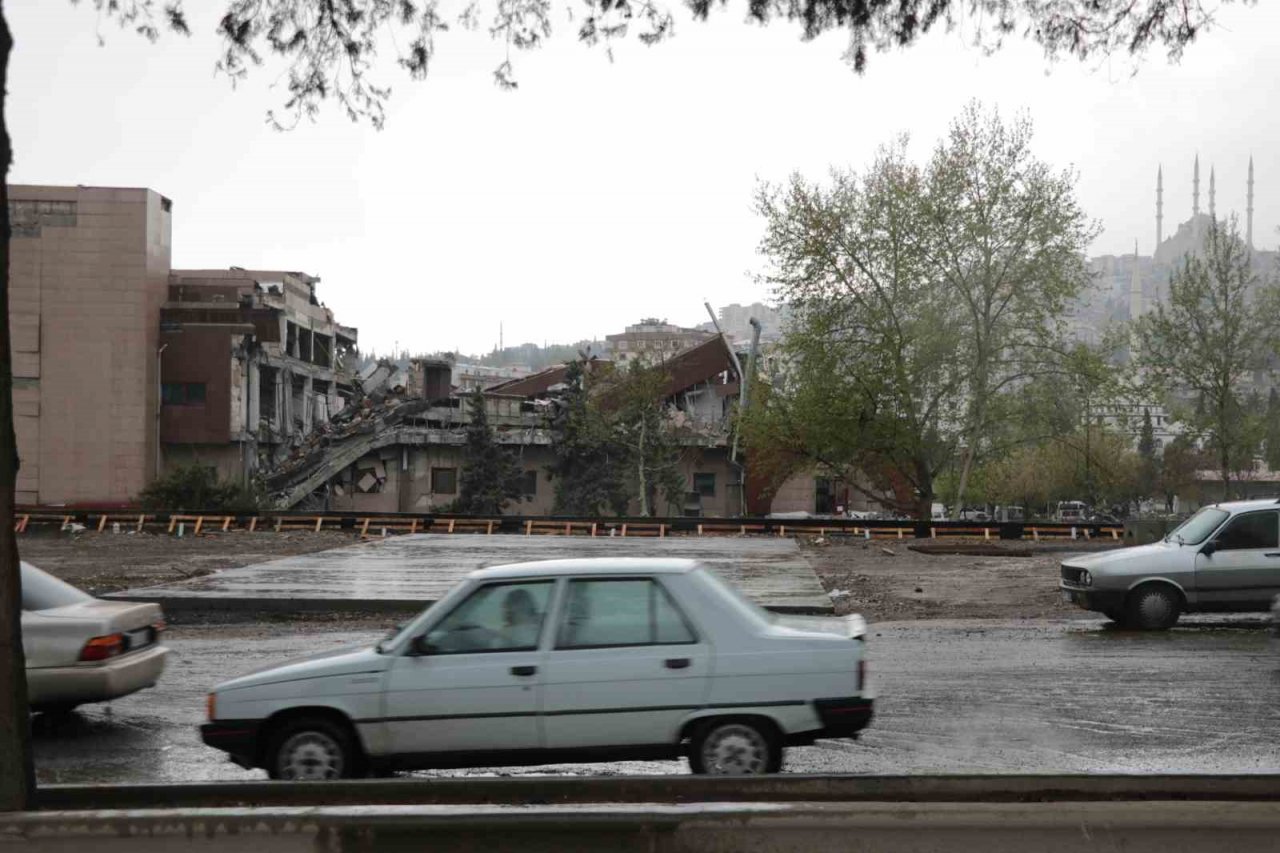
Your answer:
<point x="159" y="626"/>
<point x="101" y="648"/>
<point x="211" y="706"/>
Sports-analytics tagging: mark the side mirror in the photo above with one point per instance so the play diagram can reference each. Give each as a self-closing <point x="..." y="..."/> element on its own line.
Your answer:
<point x="420" y="646"/>
<point x="1209" y="548"/>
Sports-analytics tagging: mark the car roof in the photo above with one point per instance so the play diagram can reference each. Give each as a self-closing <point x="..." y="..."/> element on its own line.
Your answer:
<point x="1245" y="506"/>
<point x="589" y="566"/>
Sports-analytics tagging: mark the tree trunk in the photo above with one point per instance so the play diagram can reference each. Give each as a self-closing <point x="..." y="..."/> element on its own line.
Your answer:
<point x="963" y="485"/>
<point x="643" y="480"/>
<point x="17" y="775"/>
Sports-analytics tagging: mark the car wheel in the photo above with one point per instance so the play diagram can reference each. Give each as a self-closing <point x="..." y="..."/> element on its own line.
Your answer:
<point x="1152" y="608"/>
<point x="313" y="749"/>
<point x="735" y="748"/>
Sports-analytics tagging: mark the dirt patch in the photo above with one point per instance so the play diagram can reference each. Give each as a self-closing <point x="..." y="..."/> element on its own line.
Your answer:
<point x="108" y="562"/>
<point x="895" y="581"/>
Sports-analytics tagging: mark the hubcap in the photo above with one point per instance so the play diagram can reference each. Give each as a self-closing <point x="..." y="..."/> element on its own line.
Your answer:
<point x="310" y="756"/>
<point x="735" y="750"/>
<point x="1155" y="608"/>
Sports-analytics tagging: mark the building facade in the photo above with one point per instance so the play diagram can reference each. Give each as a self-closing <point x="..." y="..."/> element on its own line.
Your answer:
<point x="652" y="341"/>
<point x="89" y="270"/>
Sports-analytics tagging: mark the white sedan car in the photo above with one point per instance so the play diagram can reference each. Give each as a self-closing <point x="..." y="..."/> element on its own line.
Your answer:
<point x="553" y="662"/>
<point x="82" y="649"/>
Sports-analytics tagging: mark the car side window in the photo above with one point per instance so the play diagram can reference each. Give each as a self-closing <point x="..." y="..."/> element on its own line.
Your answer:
<point x="1250" y="531"/>
<point x="500" y="617"/>
<point x="622" y="612"/>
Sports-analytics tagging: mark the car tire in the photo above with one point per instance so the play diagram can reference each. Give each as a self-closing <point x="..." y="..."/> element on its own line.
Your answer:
<point x="312" y="749"/>
<point x="735" y="747"/>
<point x="1153" y="607"/>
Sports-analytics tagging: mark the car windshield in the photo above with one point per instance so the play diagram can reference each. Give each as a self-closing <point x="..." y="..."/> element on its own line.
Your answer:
<point x="41" y="591"/>
<point x="1195" y="529"/>
<point x="737" y="595"/>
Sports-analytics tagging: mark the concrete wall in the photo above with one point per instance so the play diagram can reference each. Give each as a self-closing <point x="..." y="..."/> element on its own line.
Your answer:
<point x="227" y="459"/>
<point x="89" y="271"/>
<point x="197" y="355"/>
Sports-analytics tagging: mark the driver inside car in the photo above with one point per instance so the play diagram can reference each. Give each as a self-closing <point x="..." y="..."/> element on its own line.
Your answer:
<point x="520" y="620"/>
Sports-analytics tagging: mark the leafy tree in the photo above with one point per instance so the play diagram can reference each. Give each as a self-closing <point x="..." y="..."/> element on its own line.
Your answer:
<point x="1179" y="465"/>
<point x="1006" y="237"/>
<point x="639" y="422"/>
<point x="1219" y="326"/>
<point x="491" y="475"/>
<point x="871" y="377"/>
<point x="587" y="465"/>
<point x="197" y="488"/>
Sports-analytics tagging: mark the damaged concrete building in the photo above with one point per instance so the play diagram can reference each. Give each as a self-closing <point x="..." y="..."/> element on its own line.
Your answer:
<point x="251" y="364"/>
<point x="124" y="367"/>
<point x="400" y="447"/>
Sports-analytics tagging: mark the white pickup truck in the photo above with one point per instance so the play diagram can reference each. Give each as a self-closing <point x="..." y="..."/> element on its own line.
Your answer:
<point x="553" y="662"/>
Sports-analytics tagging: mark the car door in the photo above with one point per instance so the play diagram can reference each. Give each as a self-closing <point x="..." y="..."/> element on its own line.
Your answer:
<point x="627" y="665"/>
<point x="1241" y="571"/>
<point x="474" y="687"/>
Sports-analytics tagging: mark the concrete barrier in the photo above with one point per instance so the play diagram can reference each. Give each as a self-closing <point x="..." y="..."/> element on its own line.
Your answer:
<point x="784" y="787"/>
<point x="1136" y="827"/>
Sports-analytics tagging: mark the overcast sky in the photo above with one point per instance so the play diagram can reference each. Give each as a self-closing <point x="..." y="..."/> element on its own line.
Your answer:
<point x="599" y="192"/>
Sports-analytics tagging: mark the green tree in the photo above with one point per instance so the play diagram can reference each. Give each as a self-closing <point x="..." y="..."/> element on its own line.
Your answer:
<point x="1219" y="326"/>
<point x="491" y="474"/>
<point x="588" y="463"/>
<point x="1007" y="238"/>
<point x="871" y="377"/>
<point x="640" y="424"/>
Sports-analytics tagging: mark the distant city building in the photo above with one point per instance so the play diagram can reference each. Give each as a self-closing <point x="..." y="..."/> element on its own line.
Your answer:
<point x="468" y="378"/>
<point x="652" y="341"/>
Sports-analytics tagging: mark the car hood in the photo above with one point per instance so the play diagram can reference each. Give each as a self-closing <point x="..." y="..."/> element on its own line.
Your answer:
<point x="1121" y="555"/>
<point x="349" y="660"/>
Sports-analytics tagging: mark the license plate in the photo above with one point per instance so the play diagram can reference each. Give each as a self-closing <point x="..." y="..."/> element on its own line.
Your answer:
<point x="139" y="638"/>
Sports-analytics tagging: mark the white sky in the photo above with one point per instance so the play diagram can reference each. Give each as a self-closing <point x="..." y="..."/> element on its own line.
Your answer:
<point x="599" y="192"/>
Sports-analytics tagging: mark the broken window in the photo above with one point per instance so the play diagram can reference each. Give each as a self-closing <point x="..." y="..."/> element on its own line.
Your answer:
<point x="291" y="339"/>
<point x="529" y="484"/>
<point x="705" y="485"/>
<point x="268" y="377"/>
<point x="182" y="393"/>
<point x="444" y="481"/>
<point x="323" y="350"/>
<point x="304" y="344"/>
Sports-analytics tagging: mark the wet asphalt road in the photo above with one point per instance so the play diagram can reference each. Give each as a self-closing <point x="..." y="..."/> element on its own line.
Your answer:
<point x="954" y="697"/>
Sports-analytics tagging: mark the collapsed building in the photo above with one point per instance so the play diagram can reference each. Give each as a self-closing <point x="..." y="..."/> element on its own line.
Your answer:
<point x="399" y="445"/>
<point x="251" y="365"/>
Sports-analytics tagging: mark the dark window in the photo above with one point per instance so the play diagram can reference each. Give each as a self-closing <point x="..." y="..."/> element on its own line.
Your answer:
<point x="630" y="612"/>
<point x="495" y="618"/>
<point x="1252" y="530"/>
<point x="182" y="393"/>
<point x="529" y="485"/>
<point x="444" y="481"/>
<point x="705" y="485"/>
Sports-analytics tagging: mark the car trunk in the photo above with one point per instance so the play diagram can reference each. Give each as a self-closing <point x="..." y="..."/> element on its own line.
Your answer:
<point x="55" y="636"/>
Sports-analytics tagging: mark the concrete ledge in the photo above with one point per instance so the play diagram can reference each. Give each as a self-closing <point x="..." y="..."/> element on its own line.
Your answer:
<point x="657" y="828"/>
<point x="537" y="790"/>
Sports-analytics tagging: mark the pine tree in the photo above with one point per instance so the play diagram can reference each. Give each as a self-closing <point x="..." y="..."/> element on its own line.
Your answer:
<point x="491" y="475"/>
<point x="587" y="468"/>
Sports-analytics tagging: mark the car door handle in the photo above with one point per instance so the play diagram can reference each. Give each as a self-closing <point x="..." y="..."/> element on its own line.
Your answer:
<point x="523" y="670"/>
<point x="676" y="663"/>
<point x="1273" y="554"/>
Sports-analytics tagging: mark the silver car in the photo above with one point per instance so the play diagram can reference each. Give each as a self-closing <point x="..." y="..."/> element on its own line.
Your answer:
<point x="82" y="649"/>
<point x="1223" y="559"/>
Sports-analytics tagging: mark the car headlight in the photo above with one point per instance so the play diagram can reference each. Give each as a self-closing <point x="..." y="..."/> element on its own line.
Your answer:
<point x="1086" y="579"/>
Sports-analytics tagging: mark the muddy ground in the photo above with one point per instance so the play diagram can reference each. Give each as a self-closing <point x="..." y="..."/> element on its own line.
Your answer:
<point x="883" y="580"/>
<point x="887" y="580"/>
